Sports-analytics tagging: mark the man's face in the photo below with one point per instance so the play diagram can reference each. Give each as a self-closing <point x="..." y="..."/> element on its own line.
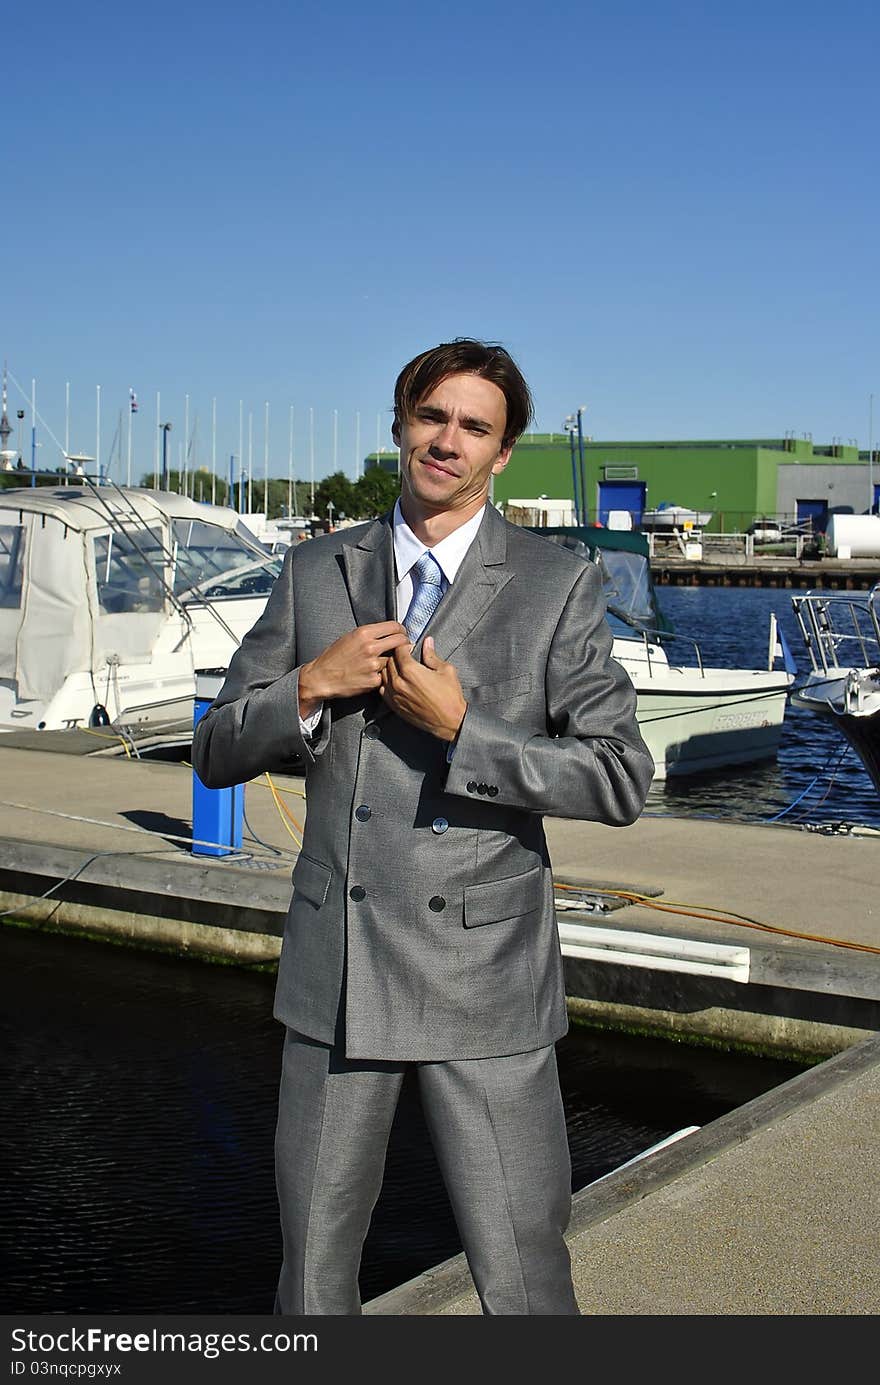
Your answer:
<point x="452" y="445"/>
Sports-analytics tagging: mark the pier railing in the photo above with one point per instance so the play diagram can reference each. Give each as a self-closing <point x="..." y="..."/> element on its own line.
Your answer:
<point x="731" y="549"/>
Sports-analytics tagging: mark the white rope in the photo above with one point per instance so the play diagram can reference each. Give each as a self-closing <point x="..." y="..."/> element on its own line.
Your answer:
<point x="112" y="826"/>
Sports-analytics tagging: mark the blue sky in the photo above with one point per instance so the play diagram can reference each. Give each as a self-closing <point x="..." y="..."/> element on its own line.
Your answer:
<point x="667" y="211"/>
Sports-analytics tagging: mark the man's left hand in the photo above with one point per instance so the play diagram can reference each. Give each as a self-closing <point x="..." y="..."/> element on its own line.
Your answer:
<point x="426" y="694"/>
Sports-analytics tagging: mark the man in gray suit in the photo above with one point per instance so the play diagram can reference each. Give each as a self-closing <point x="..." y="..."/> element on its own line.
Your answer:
<point x="422" y="930"/>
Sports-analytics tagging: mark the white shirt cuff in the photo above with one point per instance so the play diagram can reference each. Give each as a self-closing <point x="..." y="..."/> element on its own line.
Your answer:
<point x="309" y="725"/>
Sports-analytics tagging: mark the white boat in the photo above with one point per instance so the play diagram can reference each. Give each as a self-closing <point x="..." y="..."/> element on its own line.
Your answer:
<point x="841" y="633"/>
<point x="668" y="517"/>
<point x="276" y="535"/>
<point x="112" y="597"/>
<point x="693" y="718"/>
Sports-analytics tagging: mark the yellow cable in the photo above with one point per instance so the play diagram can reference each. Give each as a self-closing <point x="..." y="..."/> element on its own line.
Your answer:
<point x="91" y="732"/>
<point x="282" y="806"/>
<point x="718" y="916"/>
<point x="297" y="793"/>
<point x="283" y="812"/>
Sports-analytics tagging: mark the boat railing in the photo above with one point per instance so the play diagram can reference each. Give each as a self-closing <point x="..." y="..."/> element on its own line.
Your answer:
<point x="840" y="631"/>
<point x="125" y="517"/>
<point x="652" y="639"/>
<point x="664" y="637"/>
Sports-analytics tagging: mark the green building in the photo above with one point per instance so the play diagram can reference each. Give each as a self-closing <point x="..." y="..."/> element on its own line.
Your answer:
<point x="734" y="481"/>
<point x="789" y="478"/>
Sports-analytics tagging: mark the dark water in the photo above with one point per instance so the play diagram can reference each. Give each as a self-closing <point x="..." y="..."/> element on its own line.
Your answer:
<point x="815" y="764"/>
<point x="138" y="1096"/>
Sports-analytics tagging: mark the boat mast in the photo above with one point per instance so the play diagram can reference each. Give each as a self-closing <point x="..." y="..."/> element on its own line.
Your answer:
<point x="8" y="455"/>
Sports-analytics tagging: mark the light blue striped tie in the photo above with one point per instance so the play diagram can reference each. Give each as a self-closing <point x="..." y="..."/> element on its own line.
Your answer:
<point x="427" y="591"/>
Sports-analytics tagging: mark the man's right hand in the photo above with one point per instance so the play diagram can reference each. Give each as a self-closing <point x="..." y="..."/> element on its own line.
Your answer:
<point x="350" y="665"/>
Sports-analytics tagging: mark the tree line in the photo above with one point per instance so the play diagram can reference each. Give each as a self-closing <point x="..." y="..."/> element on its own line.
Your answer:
<point x="336" y="496"/>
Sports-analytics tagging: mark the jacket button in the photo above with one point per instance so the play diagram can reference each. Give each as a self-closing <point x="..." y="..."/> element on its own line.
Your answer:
<point x="372" y="731"/>
<point x="440" y="825"/>
<point x="357" y="893"/>
<point x="472" y="786"/>
<point x="437" y="904"/>
<point x="363" y="813"/>
<point x="482" y="788"/>
<point x="492" y="790"/>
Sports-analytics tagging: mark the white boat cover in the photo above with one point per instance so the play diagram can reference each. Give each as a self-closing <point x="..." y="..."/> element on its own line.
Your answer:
<point x="75" y="588"/>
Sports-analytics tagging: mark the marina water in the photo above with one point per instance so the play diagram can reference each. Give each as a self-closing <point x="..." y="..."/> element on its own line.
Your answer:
<point x="817" y="779"/>
<point x="140" y="1091"/>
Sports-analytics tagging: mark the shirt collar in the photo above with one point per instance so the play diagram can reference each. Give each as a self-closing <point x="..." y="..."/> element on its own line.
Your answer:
<point x="449" y="552"/>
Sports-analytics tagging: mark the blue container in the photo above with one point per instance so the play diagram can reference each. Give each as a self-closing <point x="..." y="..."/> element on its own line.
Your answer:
<point x="217" y="814"/>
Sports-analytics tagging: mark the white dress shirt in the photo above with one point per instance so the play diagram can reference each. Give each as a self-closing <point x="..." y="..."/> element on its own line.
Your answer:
<point x="449" y="554"/>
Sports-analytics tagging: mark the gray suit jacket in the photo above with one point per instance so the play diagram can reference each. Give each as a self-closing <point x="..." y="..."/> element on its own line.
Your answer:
<point x="422" y="923"/>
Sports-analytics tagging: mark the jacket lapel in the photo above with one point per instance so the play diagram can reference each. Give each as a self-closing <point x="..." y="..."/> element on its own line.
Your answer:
<point x="482" y="575"/>
<point x="368" y="566"/>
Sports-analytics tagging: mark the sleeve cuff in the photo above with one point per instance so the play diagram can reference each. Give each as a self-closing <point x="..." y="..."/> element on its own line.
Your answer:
<point x="309" y="725"/>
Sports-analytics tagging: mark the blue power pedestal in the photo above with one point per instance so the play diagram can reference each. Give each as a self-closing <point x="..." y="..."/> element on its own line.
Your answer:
<point x="217" y="814"/>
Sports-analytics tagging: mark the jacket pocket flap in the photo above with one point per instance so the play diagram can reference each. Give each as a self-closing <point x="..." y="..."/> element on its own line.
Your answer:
<point x="496" y="900"/>
<point x="499" y="692"/>
<point x="311" y="879"/>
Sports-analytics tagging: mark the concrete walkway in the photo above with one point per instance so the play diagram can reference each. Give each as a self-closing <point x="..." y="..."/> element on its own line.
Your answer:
<point x="773" y="1209"/>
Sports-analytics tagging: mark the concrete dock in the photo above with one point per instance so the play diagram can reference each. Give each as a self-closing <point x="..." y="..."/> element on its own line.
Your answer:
<point x="725" y="565"/>
<point x="739" y="934"/>
<point x="772" y="1210"/>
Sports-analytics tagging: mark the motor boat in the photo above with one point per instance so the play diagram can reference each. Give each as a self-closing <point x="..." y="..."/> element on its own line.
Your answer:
<point x="693" y="718"/>
<point x="841" y="633"/>
<point x="112" y="597"/>
<point x="668" y="517"/>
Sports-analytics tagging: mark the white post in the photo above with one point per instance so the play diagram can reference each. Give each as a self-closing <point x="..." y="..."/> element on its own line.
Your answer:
<point x="185" y="441"/>
<point x="66" y="431"/>
<point x="130" y="416"/>
<point x="240" y="445"/>
<point x="290" y="505"/>
<point x="98" y="433"/>
<point x="250" y="475"/>
<point x="266" y="463"/>
<point x="312" y="455"/>
<point x="870" y="454"/>
<point x="214" y="450"/>
<point x="156" y="462"/>
<point x="771" y="653"/>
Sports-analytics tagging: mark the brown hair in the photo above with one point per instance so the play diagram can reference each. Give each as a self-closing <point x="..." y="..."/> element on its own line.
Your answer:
<point x="465" y="356"/>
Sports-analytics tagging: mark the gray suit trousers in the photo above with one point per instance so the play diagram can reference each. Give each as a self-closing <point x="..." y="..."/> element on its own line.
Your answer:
<point x="498" y="1130"/>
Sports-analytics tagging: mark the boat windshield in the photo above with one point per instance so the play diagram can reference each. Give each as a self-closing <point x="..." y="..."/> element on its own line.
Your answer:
<point x="213" y="562"/>
<point x="128" y="569"/>
<point x="11" y="565"/>
<point x="626" y="580"/>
